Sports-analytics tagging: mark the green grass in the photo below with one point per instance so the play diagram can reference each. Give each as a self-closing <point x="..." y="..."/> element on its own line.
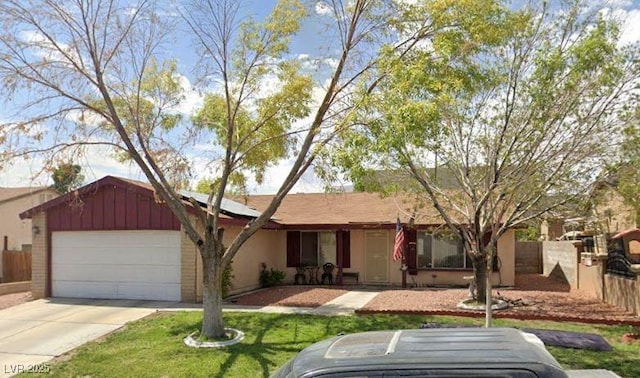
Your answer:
<point x="153" y="347"/>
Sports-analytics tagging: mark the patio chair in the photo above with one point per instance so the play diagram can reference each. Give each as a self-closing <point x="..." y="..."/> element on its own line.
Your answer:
<point x="300" y="277"/>
<point x="328" y="273"/>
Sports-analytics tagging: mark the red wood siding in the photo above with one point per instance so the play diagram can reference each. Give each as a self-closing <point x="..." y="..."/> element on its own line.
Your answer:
<point x="112" y="207"/>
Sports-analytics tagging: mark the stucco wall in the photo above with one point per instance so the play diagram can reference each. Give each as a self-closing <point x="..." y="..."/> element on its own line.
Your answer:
<point x="265" y="246"/>
<point x="560" y="258"/>
<point x="262" y="247"/>
<point x="506" y="276"/>
<point x="623" y="293"/>
<point x="590" y="278"/>
<point x="431" y="277"/>
<point x="18" y="230"/>
<point x="269" y="247"/>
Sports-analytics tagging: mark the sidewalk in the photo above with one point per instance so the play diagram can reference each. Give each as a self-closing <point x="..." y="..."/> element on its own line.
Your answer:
<point x="345" y="304"/>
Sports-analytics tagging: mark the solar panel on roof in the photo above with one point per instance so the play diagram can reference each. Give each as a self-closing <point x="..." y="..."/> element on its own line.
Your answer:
<point x="227" y="205"/>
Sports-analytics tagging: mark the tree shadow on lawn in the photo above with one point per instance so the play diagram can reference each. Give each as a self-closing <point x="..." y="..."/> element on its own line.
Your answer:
<point x="272" y="339"/>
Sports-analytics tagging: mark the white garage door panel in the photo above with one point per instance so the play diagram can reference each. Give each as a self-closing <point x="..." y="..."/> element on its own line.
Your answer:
<point x="117" y="273"/>
<point x="116" y="256"/>
<point x="116" y="264"/>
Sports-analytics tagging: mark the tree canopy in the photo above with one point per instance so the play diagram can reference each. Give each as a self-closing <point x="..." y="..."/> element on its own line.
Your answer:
<point x="66" y="177"/>
<point x="627" y="169"/>
<point x="102" y="73"/>
<point x="518" y="112"/>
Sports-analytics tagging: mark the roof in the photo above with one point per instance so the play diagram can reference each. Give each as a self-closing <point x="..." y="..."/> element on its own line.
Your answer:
<point x="634" y="233"/>
<point x="229" y="208"/>
<point x="344" y="209"/>
<point x="10" y="194"/>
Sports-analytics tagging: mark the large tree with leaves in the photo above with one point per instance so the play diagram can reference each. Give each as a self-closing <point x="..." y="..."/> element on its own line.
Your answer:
<point x="518" y="115"/>
<point x="67" y="177"/>
<point x="627" y="169"/>
<point x="99" y="72"/>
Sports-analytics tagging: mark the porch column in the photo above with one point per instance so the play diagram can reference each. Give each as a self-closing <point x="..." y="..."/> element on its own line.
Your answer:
<point x="339" y="253"/>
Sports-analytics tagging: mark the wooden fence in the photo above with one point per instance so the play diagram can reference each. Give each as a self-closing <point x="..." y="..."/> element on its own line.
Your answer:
<point x="16" y="266"/>
<point x="528" y="257"/>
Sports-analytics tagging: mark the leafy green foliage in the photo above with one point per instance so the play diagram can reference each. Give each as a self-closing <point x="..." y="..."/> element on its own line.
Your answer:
<point x="237" y="185"/>
<point x="629" y="170"/>
<point x="514" y="107"/>
<point x="261" y="137"/>
<point x="531" y="233"/>
<point x="67" y="177"/>
<point x="271" y="277"/>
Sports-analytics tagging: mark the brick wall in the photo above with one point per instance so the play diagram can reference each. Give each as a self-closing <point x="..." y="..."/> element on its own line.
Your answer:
<point x="39" y="257"/>
<point x="188" y="271"/>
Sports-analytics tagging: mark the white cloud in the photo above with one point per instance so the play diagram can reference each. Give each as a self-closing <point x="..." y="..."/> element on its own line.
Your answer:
<point x="44" y="48"/>
<point x="97" y="162"/>
<point x="308" y="183"/>
<point x="629" y="19"/>
<point x="631" y="29"/>
<point x="323" y="8"/>
<point x="193" y="99"/>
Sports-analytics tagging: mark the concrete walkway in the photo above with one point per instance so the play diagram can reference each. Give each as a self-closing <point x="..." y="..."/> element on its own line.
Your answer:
<point x="345" y="304"/>
<point x="35" y="332"/>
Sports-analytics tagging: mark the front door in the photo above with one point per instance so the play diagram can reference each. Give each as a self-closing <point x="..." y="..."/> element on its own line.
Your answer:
<point x="376" y="245"/>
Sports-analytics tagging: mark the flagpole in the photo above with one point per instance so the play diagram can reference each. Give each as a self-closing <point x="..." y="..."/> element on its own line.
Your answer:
<point x="403" y="266"/>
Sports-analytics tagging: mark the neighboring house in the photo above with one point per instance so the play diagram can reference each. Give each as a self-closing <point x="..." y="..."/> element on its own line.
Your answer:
<point x="608" y="207"/>
<point x="18" y="232"/>
<point x="112" y="239"/>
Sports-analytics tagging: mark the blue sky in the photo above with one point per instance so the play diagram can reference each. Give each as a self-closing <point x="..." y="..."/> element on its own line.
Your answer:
<point x="311" y="41"/>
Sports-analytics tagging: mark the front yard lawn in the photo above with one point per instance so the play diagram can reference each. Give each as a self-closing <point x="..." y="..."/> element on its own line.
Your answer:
<point x="153" y="346"/>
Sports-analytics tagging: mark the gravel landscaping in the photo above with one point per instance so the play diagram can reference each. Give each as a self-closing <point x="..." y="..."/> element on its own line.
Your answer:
<point x="542" y="298"/>
<point x="293" y="296"/>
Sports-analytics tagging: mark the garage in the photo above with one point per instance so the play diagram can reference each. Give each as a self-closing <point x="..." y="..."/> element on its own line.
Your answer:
<point x="142" y="264"/>
<point x="115" y="238"/>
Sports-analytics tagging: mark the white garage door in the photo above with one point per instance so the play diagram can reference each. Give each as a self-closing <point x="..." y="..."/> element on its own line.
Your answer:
<point x="116" y="264"/>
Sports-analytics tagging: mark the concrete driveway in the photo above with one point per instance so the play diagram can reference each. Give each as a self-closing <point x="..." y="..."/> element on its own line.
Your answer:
<point x="35" y="332"/>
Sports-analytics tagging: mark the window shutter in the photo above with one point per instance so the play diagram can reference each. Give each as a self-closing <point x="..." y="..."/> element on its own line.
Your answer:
<point x="411" y="237"/>
<point x="346" y="249"/>
<point x="293" y="249"/>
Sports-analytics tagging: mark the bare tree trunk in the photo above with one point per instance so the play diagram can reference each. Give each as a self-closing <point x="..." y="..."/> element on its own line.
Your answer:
<point x="489" y="309"/>
<point x="212" y="323"/>
<point x="480" y="275"/>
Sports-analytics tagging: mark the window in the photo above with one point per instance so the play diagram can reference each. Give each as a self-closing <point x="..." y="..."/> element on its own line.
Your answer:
<point x="441" y="251"/>
<point x="317" y="248"/>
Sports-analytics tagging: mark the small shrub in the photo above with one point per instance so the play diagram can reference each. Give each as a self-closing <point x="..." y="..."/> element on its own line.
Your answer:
<point x="271" y="277"/>
<point x="227" y="277"/>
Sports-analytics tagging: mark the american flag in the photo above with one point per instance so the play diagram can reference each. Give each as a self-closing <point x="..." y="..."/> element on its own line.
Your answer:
<point x="398" y="247"/>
